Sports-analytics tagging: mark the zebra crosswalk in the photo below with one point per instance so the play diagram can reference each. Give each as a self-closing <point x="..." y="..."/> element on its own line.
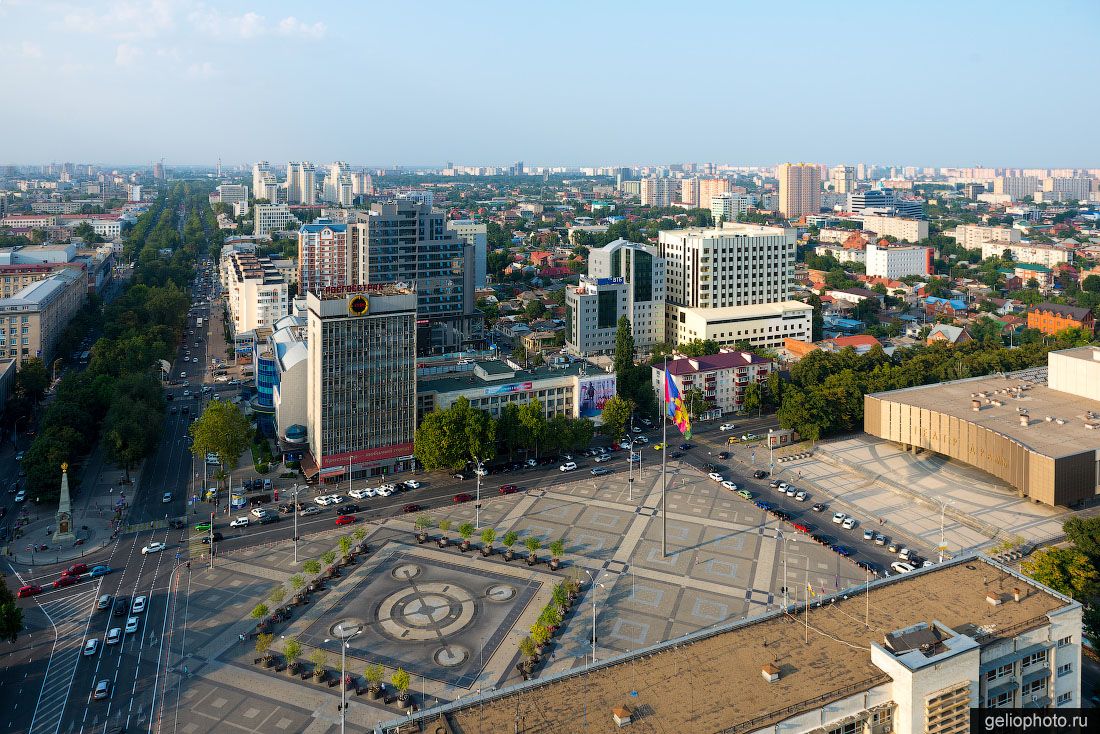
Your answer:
<point x="69" y="616"/>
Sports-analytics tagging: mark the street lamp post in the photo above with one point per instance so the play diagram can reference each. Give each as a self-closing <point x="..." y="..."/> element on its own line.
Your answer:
<point x="593" y="580"/>
<point x="294" y="509"/>
<point x="345" y="640"/>
<point x="943" y="511"/>
<point x="477" y="499"/>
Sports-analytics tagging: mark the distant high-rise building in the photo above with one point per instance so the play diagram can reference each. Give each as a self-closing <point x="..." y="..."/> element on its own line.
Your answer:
<point x="158" y="171"/>
<point x="301" y="183"/>
<point x="1016" y="186"/>
<point x="659" y="191"/>
<point x="271" y="217"/>
<point x="258" y="170"/>
<point x="689" y="191"/>
<point x="1068" y="187"/>
<point x="709" y="188"/>
<point x="842" y="179"/>
<point x="361" y="384"/>
<point x="517" y="168"/>
<point x="361" y="183"/>
<point x="799" y="189"/>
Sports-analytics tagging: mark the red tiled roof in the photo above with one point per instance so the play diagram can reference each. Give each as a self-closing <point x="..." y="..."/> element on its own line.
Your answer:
<point x="711" y="362"/>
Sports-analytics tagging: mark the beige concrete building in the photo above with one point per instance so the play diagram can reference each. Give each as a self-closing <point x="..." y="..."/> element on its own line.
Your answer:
<point x="973" y="236"/>
<point x="799" y="189"/>
<point x="32" y="320"/>
<point x="256" y="292"/>
<point x="1036" y="253"/>
<point x="904" y="228"/>
<point x="1038" y="430"/>
<point x="842" y="179"/>
<point x="763" y="325"/>
<point x="660" y="191"/>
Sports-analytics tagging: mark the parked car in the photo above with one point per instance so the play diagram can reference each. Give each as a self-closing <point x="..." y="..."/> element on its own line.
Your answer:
<point x="412" y="484"/>
<point x="880" y="539"/>
<point x="838" y="517"/>
<point x="901" y="567"/>
<point x="744" y="493"/>
<point x="842" y="550"/>
<point x="868" y="534"/>
<point x="818" y="507"/>
<point x="601" y="458"/>
<point x="801" y="495"/>
<point x="362" y="493"/>
<point x="729" y="484"/>
<point x="848" y="523"/>
<point x="348" y="509"/>
<point x="269" y="518"/>
<point x="314" y="510"/>
<point x="760" y="474"/>
<point x="459" y="476"/>
<point x="258" y="512"/>
<point x="131" y="624"/>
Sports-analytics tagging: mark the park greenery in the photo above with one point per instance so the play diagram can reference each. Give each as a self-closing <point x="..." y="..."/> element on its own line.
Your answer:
<point x="11" y="616"/>
<point x="1073" y="570"/>
<point x="461" y="434"/>
<point x="224" y="430"/>
<point x="119" y="396"/>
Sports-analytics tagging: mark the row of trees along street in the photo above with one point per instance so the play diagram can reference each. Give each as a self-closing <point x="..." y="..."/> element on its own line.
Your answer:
<point x="119" y="396"/>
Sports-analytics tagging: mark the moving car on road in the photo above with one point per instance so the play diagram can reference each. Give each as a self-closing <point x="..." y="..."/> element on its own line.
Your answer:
<point x="599" y="471"/>
<point x="461" y="497"/>
<point x="345" y="519"/>
<point x="102" y="690"/>
<point x="29" y="590"/>
<point x="131" y="624"/>
<point x="240" y="522"/>
<point x="411" y="507"/>
<point x="156" y="547"/>
<point x="314" y="510"/>
<point x="412" y="484"/>
<point x="568" y="466"/>
<point x="114" y="635"/>
<point x="139" y="605"/>
<point x="508" y="489"/>
<point x="91" y="647"/>
<point x="98" y="571"/>
<point x="64" y="581"/>
<point x="727" y="426"/>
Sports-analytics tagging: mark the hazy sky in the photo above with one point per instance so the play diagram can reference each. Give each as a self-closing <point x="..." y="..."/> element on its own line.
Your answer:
<point x="480" y="82"/>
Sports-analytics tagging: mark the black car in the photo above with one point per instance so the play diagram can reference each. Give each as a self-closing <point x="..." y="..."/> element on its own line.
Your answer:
<point x="177" y="524"/>
<point x="781" y="515"/>
<point x="724" y="455"/>
<point x="348" y="509"/>
<point x="217" y="537"/>
<point x="686" y="446"/>
<point x="260" y="499"/>
<point x="285" y="508"/>
<point x="122" y="606"/>
<point x="269" y="518"/>
<point x="822" y="539"/>
<point x="709" y="467"/>
<point x="760" y="474"/>
<point x="675" y="455"/>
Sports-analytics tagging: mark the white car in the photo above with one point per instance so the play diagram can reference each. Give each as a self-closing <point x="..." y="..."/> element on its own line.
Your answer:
<point x="568" y="466"/>
<point x="131" y="624"/>
<point x="731" y="486"/>
<point x="783" y="486"/>
<point x="848" y="523"/>
<point x="901" y="567"/>
<point x="642" y="440"/>
<point x="91" y="646"/>
<point x="323" y="500"/>
<point x="601" y="458"/>
<point x="635" y="457"/>
<point x="904" y="554"/>
<point x="257" y="512"/>
<point x="335" y="499"/>
<point x="138" y="606"/>
<point x="531" y="463"/>
<point x="153" y="548"/>
<point x="183" y="375"/>
<point x="166" y="497"/>
<point x="801" y="495"/>
<point x="715" y="476"/>
<point x="385" y="490"/>
<point x="838" y="517"/>
<point x="240" y="522"/>
<point x="790" y="491"/>
<point x="21" y="495"/>
<point x="114" y="636"/>
<point x="727" y="427"/>
<point x="360" y="494"/>
<point x="412" y="484"/>
<point x="868" y="534"/>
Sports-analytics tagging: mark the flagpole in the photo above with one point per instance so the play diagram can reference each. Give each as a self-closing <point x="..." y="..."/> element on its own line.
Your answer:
<point x="664" y="461"/>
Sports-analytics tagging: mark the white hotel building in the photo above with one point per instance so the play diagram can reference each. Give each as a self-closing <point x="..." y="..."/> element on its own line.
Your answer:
<point x="257" y="293"/>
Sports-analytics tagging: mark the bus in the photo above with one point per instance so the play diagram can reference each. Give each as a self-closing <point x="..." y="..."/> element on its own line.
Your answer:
<point x="198" y="322"/>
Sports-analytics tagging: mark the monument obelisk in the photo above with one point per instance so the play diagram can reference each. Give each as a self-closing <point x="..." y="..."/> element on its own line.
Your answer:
<point x="64" y="533"/>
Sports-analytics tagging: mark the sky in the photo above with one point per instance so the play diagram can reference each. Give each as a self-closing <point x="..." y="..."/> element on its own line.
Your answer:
<point x="481" y="82"/>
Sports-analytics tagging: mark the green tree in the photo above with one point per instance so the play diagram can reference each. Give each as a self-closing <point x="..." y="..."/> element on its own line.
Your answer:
<point x="699" y="348"/>
<point x="466" y="530"/>
<point x="616" y="415"/>
<point x="447" y="439"/>
<point x="263" y="643"/>
<point x="1084" y="533"/>
<point x="277" y="594"/>
<point x="319" y="658"/>
<point x="328" y="557"/>
<point x="509" y="539"/>
<point x="297" y="582"/>
<point x="126" y="435"/>
<point x="695" y="402"/>
<point x="259" y="611"/>
<point x="11" y="616"/>
<point x="534" y="309"/>
<point x="401" y="681"/>
<point x="1066" y="570"/>
<point x="292" y="650"/>
<point x="32" y="379"/>
<point x="1091" y="283"/>
<point x="532" y="544"/>
<point x="311" y="567"/>
<point x="345" y="544"/>
<point x="222" y="429"/>
<point x="533" y="424"/>
<point x="557" y="548"/>
<point x="754" y="397"/>
<point x="373" y="674"/>
<point x="624" y="357"/>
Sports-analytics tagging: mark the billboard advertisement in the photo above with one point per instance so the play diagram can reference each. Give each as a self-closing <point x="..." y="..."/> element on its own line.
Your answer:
<point x="591" y="394"/>
<point x="509" y="388"/>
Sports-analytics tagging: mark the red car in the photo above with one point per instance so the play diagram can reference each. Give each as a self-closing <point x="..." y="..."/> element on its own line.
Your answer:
<point x="411" y="508"/>
<point x="802" y="528"/>
<point x="29" y="590"/>
<point x="76" y="570"/>
<point x="459" y="498"/>
<point x="345" y="520"/>
<point x="64" y="581"/>
<point x="509" y="489"/>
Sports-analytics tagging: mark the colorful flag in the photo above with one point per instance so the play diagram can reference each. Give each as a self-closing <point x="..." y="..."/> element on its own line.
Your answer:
<point x="811" y="590"/>
<point x="675" y="406"/>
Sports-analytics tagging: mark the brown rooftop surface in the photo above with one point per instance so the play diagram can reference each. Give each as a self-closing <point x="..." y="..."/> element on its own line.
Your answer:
<point x="1048" y="438"/>
<point x="715" y="684"/>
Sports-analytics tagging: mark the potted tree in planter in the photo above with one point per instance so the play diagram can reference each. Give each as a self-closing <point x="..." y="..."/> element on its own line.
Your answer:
<point x="557" y="550"/>
<point x="311" y="567"/>
<point x="276" y="595"/>
<point x="328" y="557"/>
<point x="263" y="646"/>
<point x="488" y="535"/>
<point x="259" y="613"/>
<point x="533" y="544"/>
<point x="319" y="658"/>
<point x="292" y="650"/>
<point x="508" y="541"/>
<point x="465" y="530"/>
<point x="560" y="596"/>
<point x="401" y="682"/>
<point x="359" y="534"/>
<point x="296" y="584"/>
<point x="444" y="527"/>
<point x="345" y="544"/>
<point x="530" y="656"/>
<point x="540" y="635"/>
<point x="373" y="674"/>
<point x="422" y="524"/>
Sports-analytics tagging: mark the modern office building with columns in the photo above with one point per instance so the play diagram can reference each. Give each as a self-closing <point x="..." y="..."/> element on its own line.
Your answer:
<point x="1036" y="429"/>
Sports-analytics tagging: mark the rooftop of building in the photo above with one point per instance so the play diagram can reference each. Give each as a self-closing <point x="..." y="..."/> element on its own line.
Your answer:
<point x="1058" y="309"/>
<point x="1058" y="422"/>
<point x="730" y="229"/>
<point x="711" y="362"/>
<point x="249" y="266"/>
<point x="337" y="293"/>
<point x="759" y="310"/>
<point x="820" y="658"/>
<point x="501" y="373"/>
<point x="42" y="292"/>
<point x="319" y="225"/>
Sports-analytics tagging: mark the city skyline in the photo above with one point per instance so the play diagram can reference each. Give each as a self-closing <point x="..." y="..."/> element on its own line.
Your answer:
<point x="191" y="82"/>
